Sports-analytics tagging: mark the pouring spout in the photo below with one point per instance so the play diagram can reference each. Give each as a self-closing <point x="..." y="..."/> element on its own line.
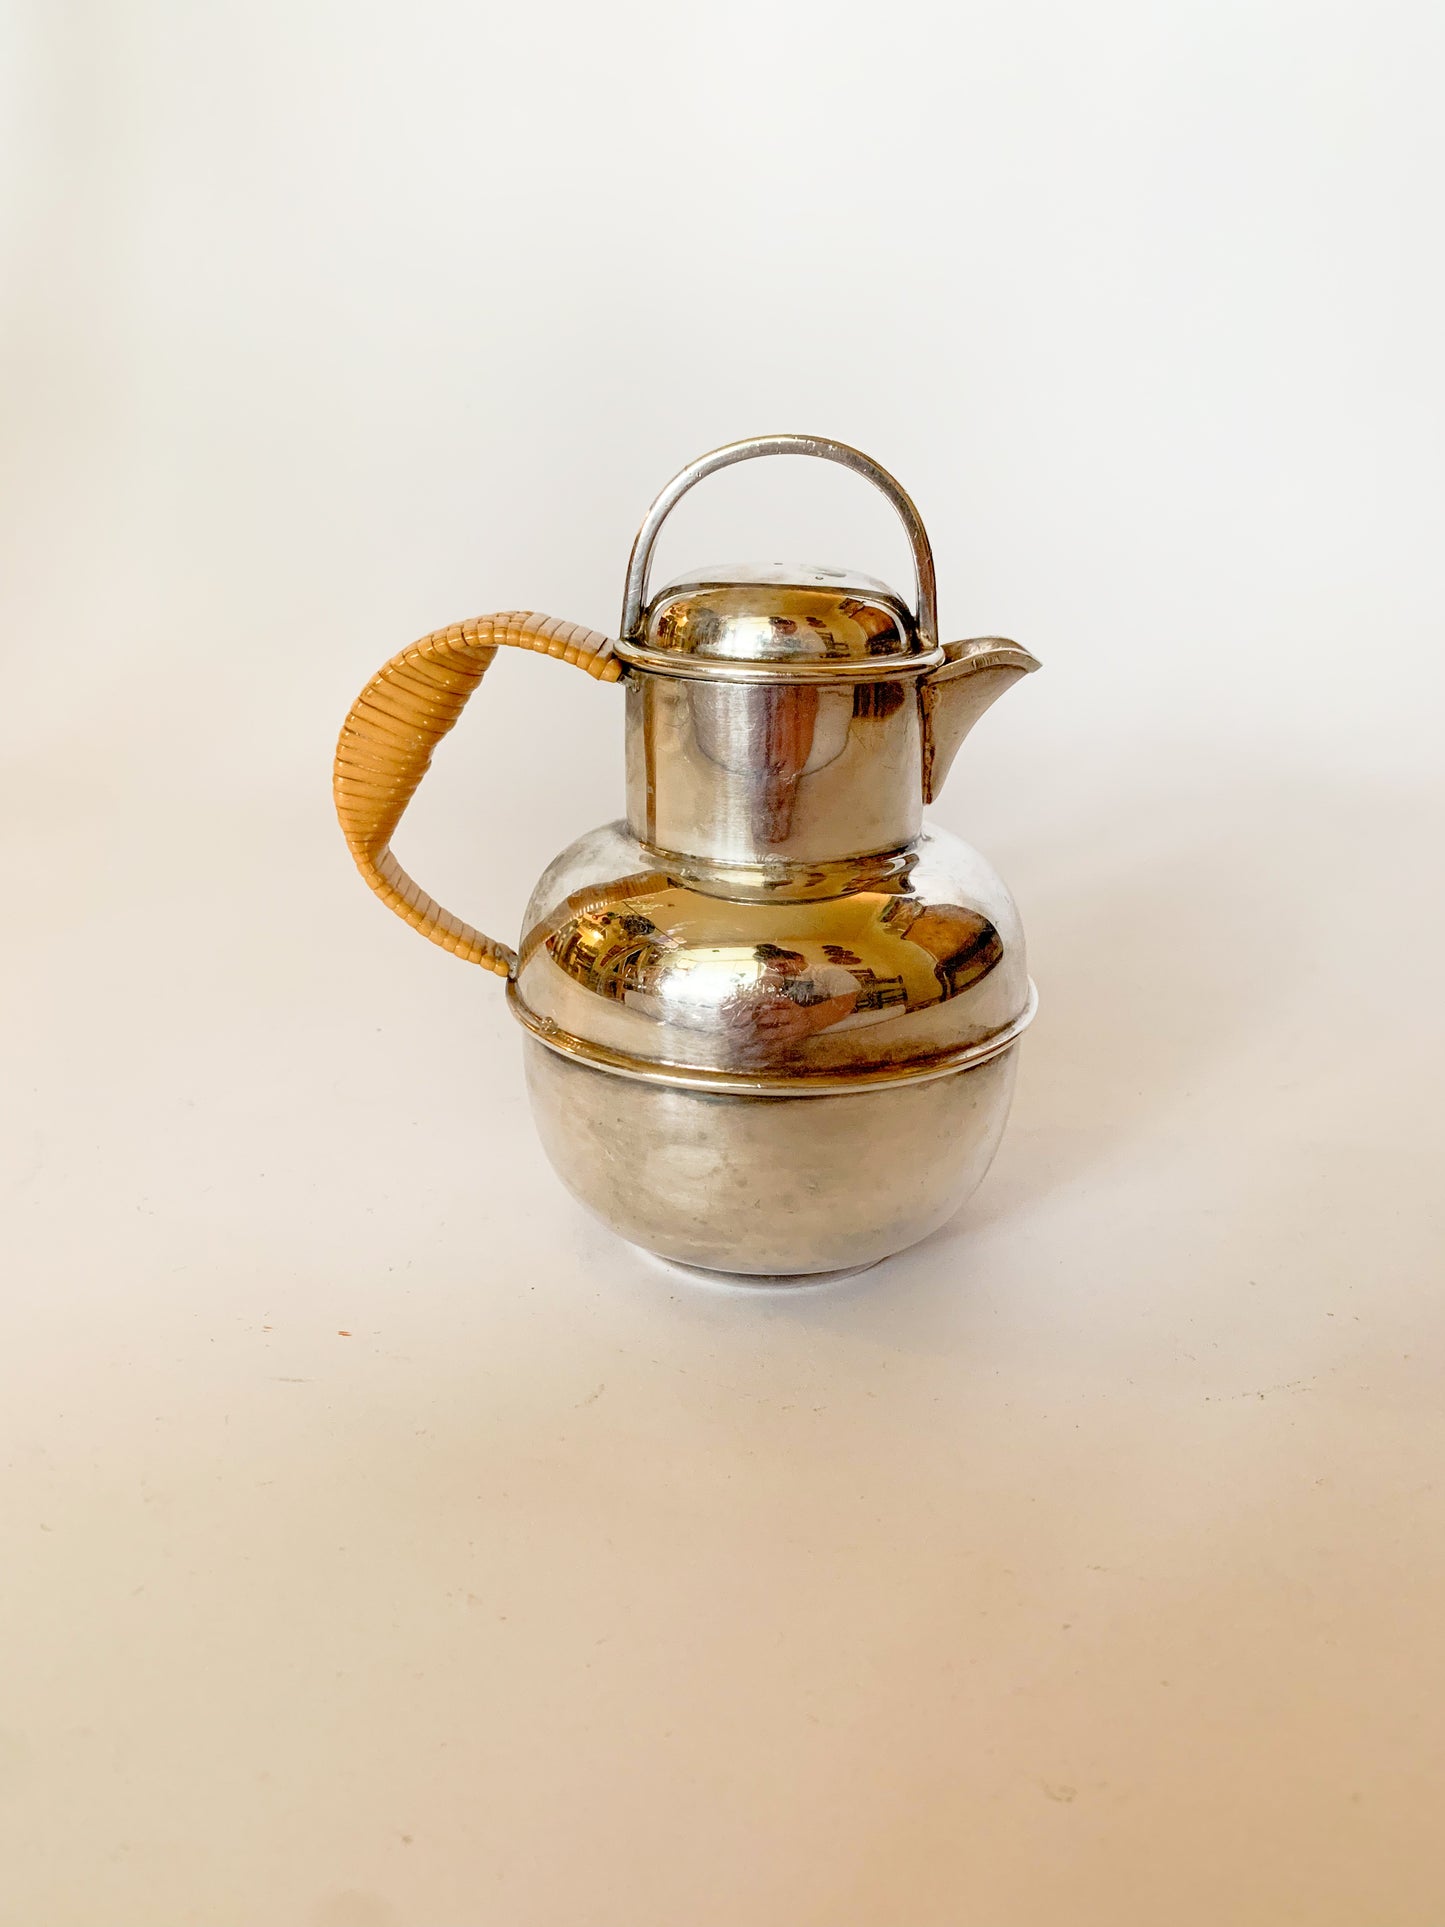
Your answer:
<point x="972" y="675"/>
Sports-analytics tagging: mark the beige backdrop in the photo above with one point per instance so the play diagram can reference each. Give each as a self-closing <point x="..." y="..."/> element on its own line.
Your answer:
<point x="385" y="1546"/>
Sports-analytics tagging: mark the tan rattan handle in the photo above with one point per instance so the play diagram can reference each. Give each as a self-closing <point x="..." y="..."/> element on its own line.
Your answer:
<point x="387" y="742"/>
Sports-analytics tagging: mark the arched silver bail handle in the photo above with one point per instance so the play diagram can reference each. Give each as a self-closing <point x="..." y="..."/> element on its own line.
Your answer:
<point x="640" y="562"/>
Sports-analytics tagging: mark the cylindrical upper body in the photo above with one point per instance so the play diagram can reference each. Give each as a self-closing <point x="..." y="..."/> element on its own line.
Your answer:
<point x="774" y="717"/>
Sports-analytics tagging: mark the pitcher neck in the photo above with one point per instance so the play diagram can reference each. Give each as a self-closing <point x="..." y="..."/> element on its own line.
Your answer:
<point x="759" y="773"/>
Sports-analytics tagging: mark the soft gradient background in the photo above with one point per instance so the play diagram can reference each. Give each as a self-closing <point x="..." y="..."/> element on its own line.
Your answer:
<point x="384" y="1545"/>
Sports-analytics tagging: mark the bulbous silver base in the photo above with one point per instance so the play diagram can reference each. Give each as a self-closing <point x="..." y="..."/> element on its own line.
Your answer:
<point x="770" y="1185"/>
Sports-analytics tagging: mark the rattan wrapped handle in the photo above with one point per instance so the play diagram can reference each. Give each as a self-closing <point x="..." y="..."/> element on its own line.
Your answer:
<point x="387" y="742"/>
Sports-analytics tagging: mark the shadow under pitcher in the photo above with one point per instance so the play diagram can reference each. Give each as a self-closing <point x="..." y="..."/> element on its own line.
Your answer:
<point x="770" y="1018"/>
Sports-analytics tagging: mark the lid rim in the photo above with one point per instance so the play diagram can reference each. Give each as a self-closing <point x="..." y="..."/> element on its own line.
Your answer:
<point x="667" y="662"/>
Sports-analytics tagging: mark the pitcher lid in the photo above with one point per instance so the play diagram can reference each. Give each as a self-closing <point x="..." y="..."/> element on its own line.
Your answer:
<point x="778" y="619"/>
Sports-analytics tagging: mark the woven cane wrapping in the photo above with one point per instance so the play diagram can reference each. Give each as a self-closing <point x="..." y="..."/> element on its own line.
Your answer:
<point x="396" y="723"/>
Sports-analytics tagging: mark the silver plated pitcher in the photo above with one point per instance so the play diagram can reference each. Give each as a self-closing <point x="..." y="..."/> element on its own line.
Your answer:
<point x="770" y="1018"/>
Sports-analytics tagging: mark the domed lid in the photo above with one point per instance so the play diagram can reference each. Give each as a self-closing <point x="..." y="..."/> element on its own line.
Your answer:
<point x="771" y="613"/>
<point x="751" y="623"/>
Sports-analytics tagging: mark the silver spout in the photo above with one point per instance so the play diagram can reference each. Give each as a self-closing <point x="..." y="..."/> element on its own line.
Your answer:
<point x="957" y="693"/>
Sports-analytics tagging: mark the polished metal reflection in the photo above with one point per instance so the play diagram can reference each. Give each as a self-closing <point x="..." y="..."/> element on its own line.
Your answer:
<point x="772" y="613"/>
<point x="753" y="622"/>
<point x="772" y="1020"/>
<point x="905" y="966"/>
<point x="793" y="715"/>
<point x="780" y="772"/>
<point x="769" y="1185"/>
<point x="639" y="563"/>
<point x="973" y="676"/>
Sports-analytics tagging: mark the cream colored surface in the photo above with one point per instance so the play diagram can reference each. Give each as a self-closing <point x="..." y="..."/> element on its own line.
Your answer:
<point x="385" y="1547"/>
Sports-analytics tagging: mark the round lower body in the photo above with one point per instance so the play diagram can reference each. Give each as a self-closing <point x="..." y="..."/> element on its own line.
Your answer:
<point x="769" y="1185"/>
